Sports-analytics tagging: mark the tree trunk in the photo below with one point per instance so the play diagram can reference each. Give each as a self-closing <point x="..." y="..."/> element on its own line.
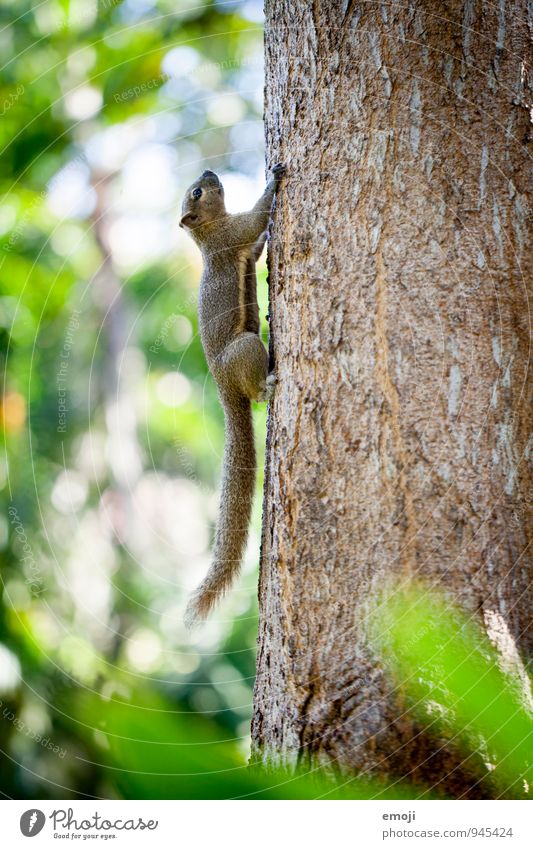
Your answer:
<point x="399" y="439"/>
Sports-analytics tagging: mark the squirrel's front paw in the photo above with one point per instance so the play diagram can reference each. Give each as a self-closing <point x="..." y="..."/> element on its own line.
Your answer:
<point x="279" y="171"/>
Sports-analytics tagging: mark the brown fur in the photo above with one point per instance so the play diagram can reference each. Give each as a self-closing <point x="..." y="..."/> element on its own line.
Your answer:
<point x="238" y="360"/>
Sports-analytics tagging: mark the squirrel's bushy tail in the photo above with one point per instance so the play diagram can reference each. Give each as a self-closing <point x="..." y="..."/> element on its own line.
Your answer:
<point x="238" y="483"/>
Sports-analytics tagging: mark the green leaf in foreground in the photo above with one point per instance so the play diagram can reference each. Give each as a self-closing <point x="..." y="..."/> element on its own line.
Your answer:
<point x="149" y="748"/>
<point x="450" y="670"/>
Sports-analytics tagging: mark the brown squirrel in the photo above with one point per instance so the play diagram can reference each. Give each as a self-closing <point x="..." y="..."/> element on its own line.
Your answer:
<point x="229" y="328"/>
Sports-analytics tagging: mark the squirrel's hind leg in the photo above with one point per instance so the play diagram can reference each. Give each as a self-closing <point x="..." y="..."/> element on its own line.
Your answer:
<point x="245" y="366"/>
<point x="270" y="385"/>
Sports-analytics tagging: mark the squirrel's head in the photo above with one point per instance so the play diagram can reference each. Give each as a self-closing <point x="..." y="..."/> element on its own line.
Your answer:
<point x="203" y="202"/>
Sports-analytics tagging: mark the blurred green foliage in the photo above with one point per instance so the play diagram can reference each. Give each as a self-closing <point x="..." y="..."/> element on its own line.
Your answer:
<point x="112" y="432"/>
<point x="456" y="683"/>
<point x="112" y="429"/>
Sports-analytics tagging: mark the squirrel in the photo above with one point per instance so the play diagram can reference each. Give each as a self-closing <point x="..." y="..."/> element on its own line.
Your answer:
<point x="228" y="317"/>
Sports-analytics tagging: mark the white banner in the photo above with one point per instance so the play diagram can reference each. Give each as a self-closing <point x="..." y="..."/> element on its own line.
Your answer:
<point x="255" y="824"/>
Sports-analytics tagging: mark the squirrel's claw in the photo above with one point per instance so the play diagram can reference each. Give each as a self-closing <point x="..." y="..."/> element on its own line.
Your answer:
<point x="270" y="386"/>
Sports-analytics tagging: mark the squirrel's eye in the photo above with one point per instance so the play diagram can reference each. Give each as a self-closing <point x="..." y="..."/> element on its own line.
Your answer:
<point x="197" y="194"/>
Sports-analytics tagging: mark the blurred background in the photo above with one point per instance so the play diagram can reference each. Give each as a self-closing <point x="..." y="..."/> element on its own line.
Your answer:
<point x="113" y="434"/>
<point x="112" y="430"/>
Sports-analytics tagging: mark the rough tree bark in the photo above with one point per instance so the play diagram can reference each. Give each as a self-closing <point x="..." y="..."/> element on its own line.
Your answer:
<point x="399" y="440"/>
